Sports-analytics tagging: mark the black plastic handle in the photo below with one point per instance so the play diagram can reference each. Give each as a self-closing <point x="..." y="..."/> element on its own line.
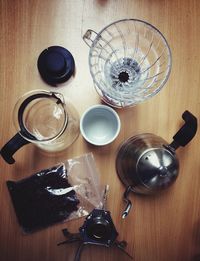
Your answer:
<point x="11" y="147"/>
<point x="186" y="132"/>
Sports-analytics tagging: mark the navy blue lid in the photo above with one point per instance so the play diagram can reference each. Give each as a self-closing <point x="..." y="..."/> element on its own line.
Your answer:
<point x="56" y="65"/>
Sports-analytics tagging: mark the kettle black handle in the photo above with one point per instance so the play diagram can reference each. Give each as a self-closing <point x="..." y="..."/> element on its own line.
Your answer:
<point x="11" y="147"/>
<point x="186" y="132"/>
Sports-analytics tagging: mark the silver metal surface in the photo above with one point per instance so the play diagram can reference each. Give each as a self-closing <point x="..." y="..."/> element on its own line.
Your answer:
<point x="157" y="168"/>
<point x="145" y="163"/>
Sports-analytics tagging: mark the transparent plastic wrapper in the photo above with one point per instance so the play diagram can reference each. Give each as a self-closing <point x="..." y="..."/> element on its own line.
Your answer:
<point x="68" y="190"/>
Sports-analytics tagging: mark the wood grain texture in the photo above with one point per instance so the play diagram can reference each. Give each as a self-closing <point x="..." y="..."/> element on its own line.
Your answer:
<point x="162" y="228"/>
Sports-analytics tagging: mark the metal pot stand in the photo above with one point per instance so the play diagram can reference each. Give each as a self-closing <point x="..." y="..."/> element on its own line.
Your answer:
<point x="97" y="229"/>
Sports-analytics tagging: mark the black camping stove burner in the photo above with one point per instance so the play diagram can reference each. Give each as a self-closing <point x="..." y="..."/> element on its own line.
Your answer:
<point x="98" y="229"/>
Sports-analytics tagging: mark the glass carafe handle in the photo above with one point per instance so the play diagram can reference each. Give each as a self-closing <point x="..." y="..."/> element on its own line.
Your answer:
<point x="11" y="147"/>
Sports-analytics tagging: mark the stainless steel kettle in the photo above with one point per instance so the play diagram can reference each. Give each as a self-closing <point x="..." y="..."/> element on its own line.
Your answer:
<point x="147" y="164"/>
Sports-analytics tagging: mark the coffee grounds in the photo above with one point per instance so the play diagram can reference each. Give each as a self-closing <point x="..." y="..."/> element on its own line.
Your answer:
<point x="43" y="199"/>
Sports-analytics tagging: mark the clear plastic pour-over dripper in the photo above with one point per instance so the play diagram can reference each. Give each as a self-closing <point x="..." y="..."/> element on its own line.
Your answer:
<point x="45" y="119"/>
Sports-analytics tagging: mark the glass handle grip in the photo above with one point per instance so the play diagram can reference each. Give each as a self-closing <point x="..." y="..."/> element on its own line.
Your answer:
<point x="89" y="37"/>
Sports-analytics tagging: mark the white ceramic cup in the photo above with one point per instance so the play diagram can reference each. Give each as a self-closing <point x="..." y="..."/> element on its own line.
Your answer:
<point x="100" y="125"/>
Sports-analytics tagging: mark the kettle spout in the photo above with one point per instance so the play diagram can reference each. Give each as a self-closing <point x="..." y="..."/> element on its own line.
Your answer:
<point x="128" y="202"/>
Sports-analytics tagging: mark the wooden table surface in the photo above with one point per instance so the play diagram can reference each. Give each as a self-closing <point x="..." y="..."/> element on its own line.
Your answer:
<point x="162" y="228"/>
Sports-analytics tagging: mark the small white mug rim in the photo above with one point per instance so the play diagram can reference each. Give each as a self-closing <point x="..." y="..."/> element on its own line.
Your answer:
<point x="105" y="107"/>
